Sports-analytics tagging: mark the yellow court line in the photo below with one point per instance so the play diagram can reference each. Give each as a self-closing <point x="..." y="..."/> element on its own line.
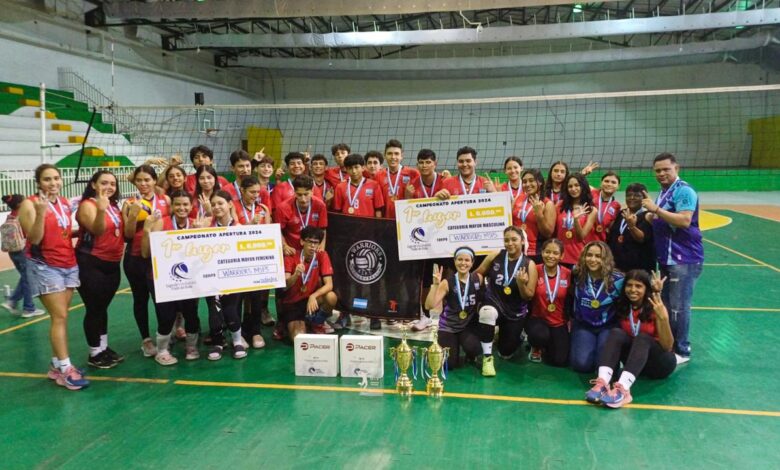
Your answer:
<point x="732" y="265"/>
<point x="547" y="401"/>
<point x="46" y="317"/>
<point x="91" y="378"/>
<point x="743" y="255"/>
<point x="749" y="214"/>
<point x="738" y="309"/>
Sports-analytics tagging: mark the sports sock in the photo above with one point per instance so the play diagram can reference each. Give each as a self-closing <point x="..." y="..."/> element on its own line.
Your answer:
<point x="236" y="336"/>
<point x="605" y="373"/>
<point x="64" y="364"/>
<point x="55" y="362"/>
<point x="627" y="379"/>
<point x="94" y="351"/>
<point x="163" y="342"/>
<point x="487" y="349"/>
<point x="103" y="342"/>
<point x="192" y="340"/>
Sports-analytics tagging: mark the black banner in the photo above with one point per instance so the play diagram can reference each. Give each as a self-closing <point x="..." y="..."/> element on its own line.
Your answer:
<point x="367" y="276"/>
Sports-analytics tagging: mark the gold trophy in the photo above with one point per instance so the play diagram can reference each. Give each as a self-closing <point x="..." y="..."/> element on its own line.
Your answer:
<point x="435" y="356"/>
<point x="403" y="357"/>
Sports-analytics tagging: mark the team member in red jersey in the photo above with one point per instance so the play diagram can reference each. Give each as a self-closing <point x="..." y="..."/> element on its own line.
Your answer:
<point x="607" y="208"/>
<point x="358" y="196"/>
<point x="338" y="174"/>
<point x="134" y="212"/>
<point x="208" y="183"/>
<point x="396" y="177"/>
<point x="576" y="218"/>
<point x="51" y="266"/>
<point x="309" y="293"/>
<point x="547" y="327"/>
<point x="374" y="163"/>
<point x="322" y="190"/>
<point x="533" y="213"/>
<point x="249" y="209"/>
<point x="242" y="168"/>
<point x="642" y="342"/>
<point x="559" y="173"/>
<point x="263" y="170"/>
<point x="467" y="181"/>
<point x="298" y="213"/>
<point x="513" y="168"/>
<point x="174" y="177"/>
<point x="166" y="312"/>
<point x="99" y="252"/>
<point x="199" y="156"/>
<point x="284" y="189"/>
<point x="430" y="182"/>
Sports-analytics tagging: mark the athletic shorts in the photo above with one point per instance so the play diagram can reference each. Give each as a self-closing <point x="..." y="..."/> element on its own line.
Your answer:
<point x="45" y="279"/>
<point x="293" y="312"/>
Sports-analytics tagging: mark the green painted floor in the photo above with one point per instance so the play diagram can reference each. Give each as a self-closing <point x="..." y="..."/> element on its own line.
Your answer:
<point x="722" y="410"/>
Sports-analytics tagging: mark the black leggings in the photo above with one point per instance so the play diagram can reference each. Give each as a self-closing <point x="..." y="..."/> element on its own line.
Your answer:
<point x="135" y="270"/>
<point x="554" y="340"/>
<point x="225" y="313"/>
<point x="257" y="303"/>
<point x="509" y="335"/>
<point x="640" y="355"/>
<point x="99" y="282"/>
<point x="468" y="340"/>
<point x="166" y="313"/>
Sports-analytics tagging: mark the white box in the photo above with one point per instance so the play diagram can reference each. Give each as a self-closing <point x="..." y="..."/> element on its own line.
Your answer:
<point x="316" y="355"/>
<point x="362" y="354"/>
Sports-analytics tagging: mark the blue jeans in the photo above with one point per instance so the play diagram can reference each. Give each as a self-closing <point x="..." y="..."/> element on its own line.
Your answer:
<point x="677" y="294"/>
<point x="586" y="345"/>
<point x="22" y="290"/>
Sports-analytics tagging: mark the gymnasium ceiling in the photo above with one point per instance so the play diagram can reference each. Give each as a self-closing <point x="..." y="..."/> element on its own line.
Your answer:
<point x="455" y="38"/>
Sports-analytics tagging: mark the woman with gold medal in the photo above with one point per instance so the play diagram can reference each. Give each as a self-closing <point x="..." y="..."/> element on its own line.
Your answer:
<point x="533" y="213"/>
<point x="596" y="287"/>
<point x="458" y="323"/>
<point x="510" y="280"/>
<point x="547" y="326"/>
<point x="575" y="217"/>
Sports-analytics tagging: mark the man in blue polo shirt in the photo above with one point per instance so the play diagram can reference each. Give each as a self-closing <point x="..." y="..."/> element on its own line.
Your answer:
<point x="678" y="247"/>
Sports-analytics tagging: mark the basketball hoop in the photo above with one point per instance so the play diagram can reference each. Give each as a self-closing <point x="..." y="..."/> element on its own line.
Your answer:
<point x="211" y="132"/>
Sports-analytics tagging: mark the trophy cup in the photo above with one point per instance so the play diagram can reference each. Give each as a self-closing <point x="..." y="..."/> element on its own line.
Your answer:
<point x="403" y="358"/>
<point x="435" y="356"/>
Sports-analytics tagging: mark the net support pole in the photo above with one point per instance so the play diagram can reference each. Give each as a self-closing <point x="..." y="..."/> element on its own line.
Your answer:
<point x="42" y="100"/>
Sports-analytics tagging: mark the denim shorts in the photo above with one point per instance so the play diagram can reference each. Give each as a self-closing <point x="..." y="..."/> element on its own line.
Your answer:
<point x="45" y="279"/>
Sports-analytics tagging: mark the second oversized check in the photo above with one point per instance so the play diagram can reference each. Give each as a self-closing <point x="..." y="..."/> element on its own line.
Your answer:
<point x="203" y="262"/>
<point x="434" y="228"/>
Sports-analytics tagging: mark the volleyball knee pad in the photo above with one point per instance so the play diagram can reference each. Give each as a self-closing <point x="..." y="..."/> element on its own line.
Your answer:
<point x="488" y="315"/>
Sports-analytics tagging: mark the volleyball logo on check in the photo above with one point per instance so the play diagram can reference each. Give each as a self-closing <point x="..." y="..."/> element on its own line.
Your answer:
<point x="180" y="272"/>
<point x="418" y="235"/>
<point x="366" y="262"/>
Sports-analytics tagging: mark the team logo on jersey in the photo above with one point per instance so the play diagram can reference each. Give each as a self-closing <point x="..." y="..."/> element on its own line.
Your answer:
<point x="366" y="262"/>
<point x="315" y="217"/>
<point x="369" y="192"/>
<point x="611" y="210"/>
<point x="180" y="272"/>
<point x="405" y="179"/>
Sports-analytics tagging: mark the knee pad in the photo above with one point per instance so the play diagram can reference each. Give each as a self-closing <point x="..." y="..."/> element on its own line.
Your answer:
<point x="488" y="315"/>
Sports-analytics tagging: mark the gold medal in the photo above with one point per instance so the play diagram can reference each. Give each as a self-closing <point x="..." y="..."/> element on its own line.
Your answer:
<point x="507" y="290"/>
<point x="116" y="233"/>
<point x="65" y="234"/>
<point x="599" y="228"/>
<point x="303" y="288"/>
<point x="393" y="197"/>
<point x="351" y="210"/>
<point x="522" y="226"/>
<point x="551" y="307"/>
<point x="620" y="239"/>
<point x="463" y="314"/>
<point x="569" y="234"/>
<point x="595" y="303"/>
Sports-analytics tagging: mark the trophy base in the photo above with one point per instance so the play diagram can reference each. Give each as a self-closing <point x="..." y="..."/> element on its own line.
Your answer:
<point x="434" y="387"/>
<point x="404" y="385"/>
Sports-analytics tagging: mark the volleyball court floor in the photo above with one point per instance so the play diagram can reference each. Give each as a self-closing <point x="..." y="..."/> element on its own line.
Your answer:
<point x="721" y="410"/>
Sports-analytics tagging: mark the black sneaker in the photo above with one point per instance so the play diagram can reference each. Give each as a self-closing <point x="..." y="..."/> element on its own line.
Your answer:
<point x="101" y="361"/>
<point x="115" y="356"/>
<point x="375" y="324"/>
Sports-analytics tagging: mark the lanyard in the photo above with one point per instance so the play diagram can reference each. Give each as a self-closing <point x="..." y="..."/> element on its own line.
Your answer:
<point x="568" y="220"/>
<point x="464" y="297"/>
<point x="601" y="214"/>
<point x="634" y="326"/>
<point x="353" y="200"/>
<point x="114" y="216"/>
<point x="556" y="197"/>
<point x="590" y="288"/>
<point x="661" y="199"/>
<point x="507" y="278"/>
<point x="552" y="293"/>
<point x="305" y="223"/>
<point x="523" y="214"/>
<point x="463" y="184"/>
<point x="62" y="217"/>
<point x="306" y="276"/>
<point x="246" y="216"/>
<point x="393" y="187"/>
<point x="433" y="186"/>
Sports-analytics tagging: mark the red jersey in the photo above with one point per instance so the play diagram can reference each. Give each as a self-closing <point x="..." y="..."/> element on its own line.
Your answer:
<point x="523" y="216"/>
<point x="246" y="214"/>
<point x="321" y="268"/>
<point x="235" y="193"/>
<point x="394" y="186"/>
<point x="607" y="213"/>
<point x="366" y="198"/>
<point x="516" y="193"/>
<point x="335" y="175"/>
<point x="157" y="203"/>
<point x="564" y="229"/>
<point x="422" y="190"/>
<point x="190" y="183"/>
<point x="647" y="327"/>
<point x="111" y="244"/>
<point x="319" y="190"/>
<point x="453" y="185"/>
<point x="282" y="192"/>
<point x="540" y="304"/>
<point x="56" y="246"/>
<point x="292" y="221"/>
<point x="168" y="224"/>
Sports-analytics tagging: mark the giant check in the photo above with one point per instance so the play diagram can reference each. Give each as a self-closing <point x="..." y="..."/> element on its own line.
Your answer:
<point x="202" y="262"/>
<point x="432" y="228"/>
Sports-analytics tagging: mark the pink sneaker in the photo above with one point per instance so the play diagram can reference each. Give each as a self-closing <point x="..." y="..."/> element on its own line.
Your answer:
<point x="54" y="373"/>
<point x="617" y="397"/>
<point x="72" y="379"/>
<point x="598" y="392"/>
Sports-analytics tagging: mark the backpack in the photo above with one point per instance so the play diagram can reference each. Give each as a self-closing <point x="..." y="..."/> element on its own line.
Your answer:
<point x="11" y="237"/>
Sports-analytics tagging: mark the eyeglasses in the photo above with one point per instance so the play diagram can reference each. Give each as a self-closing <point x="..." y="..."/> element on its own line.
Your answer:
<point x="312" y="242"/>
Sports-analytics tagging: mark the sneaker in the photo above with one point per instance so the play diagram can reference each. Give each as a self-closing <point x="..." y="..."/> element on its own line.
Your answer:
<point x="115" y="356"/>
<point x="682" y="359"/>
<point x="421" y="324"/>
<point x="191" y="353"/>
<point x="535" y="355"/>
<point x="149" y="348"/>
<point x="392" y="322"/>
<point x="101" y="361"/>
<point x="8" y="305"/>
<point x="278" y="334"/>
<point x="72" y="379"/>
<point x="597" y="393"/>
<point x="343" y="322"/>
<point x="617" y="397"/>
<point x="322" y="329"/>
<point x="488" y="368"/>
<point x="53" y="373"/>
<point x="165" y="358"/>
<point x="258" y="342"/>
<point x="239" y="351"/>
<point x="34" y="313"/>
<point x="375" y="324"/>
<point x="216" y="353"/>
<point x="266" y="319"/>
<point x="180" y="333"/>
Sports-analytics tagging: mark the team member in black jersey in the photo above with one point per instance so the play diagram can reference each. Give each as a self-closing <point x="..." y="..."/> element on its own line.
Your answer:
<point x="510" y="281"/>
<point x="458" y="323"/>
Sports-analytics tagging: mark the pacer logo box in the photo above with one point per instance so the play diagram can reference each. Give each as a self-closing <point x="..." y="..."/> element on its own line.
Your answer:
<point x="362" y="355"/>
<point x="316" y="355"/>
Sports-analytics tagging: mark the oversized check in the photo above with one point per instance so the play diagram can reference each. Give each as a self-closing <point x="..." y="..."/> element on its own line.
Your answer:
<point x="202" y="262"/>
<point x="432" y="228"/>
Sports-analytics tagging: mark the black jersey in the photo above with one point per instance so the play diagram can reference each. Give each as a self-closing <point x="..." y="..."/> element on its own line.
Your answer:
<point x="510" y="306"/>
<point x="450" y="320"/>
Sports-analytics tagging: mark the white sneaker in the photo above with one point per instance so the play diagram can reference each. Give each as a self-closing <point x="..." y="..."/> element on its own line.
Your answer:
<point x="9" y="306"/>
<point x="258" y="342"/>
<point x="192" y="354"/>
<point x="35" y="313"/>
<point x="682" y="359"/>
<point x="421" y="324"/>
<point x="165" y="358"/>
<point x="149" y="348"/>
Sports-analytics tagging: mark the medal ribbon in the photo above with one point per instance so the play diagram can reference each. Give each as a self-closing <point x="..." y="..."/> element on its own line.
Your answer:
<point x="523" y="214"/>
<point x="246" y="216"/>
<point x="62" y="218"/>
<point x="665" y="194"/>
<point x="568" y="220"/>
<point x="353" y="200"/>
<point x="114" y="216"/>
<point x="462" y="298"/>
<point x="305" y="277"/>
<point x="590" y="288"/>
<point x="304" y="224"/>
<point x="507" y="279"/>
<point x="433" y="186"/>
<point x="601" y="215"/>
<point x="512" y="192"/>
<point x="463" y="184"/>
<point x="552" y="293"/>
<point x="176" y="224"/>
<point x="634" y="326"/>
<point x="391" y="186"/>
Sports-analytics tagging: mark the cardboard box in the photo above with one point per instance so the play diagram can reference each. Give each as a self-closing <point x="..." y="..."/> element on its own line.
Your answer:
<point x="362" y="354"/>
<point x="316" y="355"/>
